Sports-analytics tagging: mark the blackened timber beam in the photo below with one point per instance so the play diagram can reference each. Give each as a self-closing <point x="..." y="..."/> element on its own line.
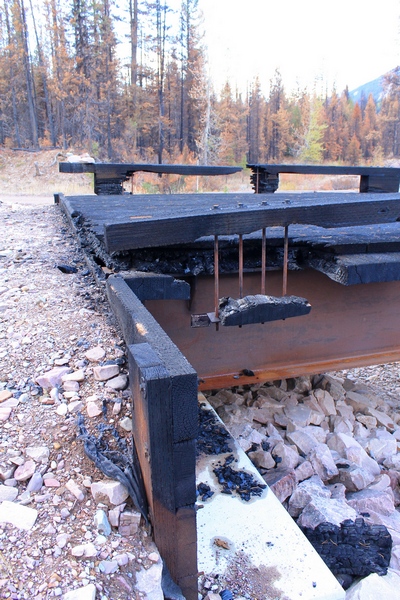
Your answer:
<point x="109" y="177"/>
<point x="353" y="269"/>
<point x="157" y="286"/>
<point x="265" y="177"/>
<point x="164" y="391"/>
<point x="185" y="218"/>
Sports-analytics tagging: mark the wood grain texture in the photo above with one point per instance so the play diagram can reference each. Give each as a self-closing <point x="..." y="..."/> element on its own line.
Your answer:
<point x="168" y="467"/>
<point x="183" y="219"/>
<point x="139" y="326"/>
<point x="353" y="269"/>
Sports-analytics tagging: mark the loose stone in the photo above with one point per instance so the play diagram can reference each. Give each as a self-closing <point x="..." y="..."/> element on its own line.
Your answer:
<point x="21" y="517"/>
<point x="8" y="493"/>
<point x="25" y="471"/>
<point x="103" y="373"/>
<point x="74" y="488"/>
<point x="95" y="354"/>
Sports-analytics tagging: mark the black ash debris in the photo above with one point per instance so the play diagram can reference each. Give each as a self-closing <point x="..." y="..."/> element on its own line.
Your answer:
<point x="213" y="438"/>
<point x="239" y="482"/>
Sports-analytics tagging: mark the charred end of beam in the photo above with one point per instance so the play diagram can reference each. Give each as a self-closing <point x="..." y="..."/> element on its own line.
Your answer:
<point x="261" y="309"/>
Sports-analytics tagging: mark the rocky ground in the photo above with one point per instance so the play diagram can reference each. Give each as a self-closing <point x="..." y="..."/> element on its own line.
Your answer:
<point x="60" y="539"/>
<point x="71" y="533"/>
<point x="327" y="446"/>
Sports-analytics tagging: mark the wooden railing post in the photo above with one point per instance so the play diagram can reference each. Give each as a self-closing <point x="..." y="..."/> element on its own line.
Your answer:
<point x="165" y="419"/>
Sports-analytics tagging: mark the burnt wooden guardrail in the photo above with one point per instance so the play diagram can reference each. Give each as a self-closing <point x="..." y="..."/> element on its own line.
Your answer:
<point x="265" y="177"/>
<point x="164" y="389"/>
<point x="109" y="177"/>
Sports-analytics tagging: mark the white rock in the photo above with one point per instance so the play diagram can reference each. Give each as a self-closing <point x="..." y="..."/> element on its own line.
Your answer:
<point x="289" y="457"/>
<point x="84" y="550"/>
<point x="75" y="406"/>
<point x="382" y="418"/>
<point x="103" y="373"/>
<point x="304" y="441"/>
<point x="4" y="413"/>
<point x="118" y="383"/>
<point x="101" y="523"/>
<point x="381" y="483"/>
<point x="381" y="449"/>
<point x="62" y="539"/>
<point x="71" y="386"/>
<point x="88" y="592"/>
<point x="376" y="587"/>
<point x="325" y="510"/>
<point x="93" y="409"/>
<point x="62" y="409"/>
<point x="74" y="488"/>
<point x="325" y="402"/>
<point x="38" y="453"/>
<point x="52" y="378"/>
<point x="360" y="401"/>
<point x="108" y="566"/>
<point x="109" y="492"/>
<point x="304" y="471"/>
<point x="75" y="376"/>
<point x="25" y="471"/>
<point x="322" y="462"/>
<point x="95" y="354"/>
<point x="18" y="515"/>
<point x="149" y="582"/>
<point x="355" y="478"/>
<point x="395" y="558"/>
<point x="305" y="492"/>
<point x="262" y="459"/>
<point x="126" y="424"/>
<point x="123" y="559"/>
<point x="300" y="414"/>
<point x="8" y="493"/>
<point x="129" y="522"/>
<point x="35" y="483"/>
<point x="372" y="500"/>
<point x="349" y="448"/>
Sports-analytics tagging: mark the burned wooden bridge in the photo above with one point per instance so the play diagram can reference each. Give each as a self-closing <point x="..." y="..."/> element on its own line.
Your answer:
<point x="203" y="287"/>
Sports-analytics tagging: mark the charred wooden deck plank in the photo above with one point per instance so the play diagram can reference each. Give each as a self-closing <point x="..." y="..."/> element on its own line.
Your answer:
<point x="352" y="269"/>
<point x="152" y="221"/>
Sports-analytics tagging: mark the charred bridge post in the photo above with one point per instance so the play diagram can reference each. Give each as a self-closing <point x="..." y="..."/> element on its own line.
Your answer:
<point x="165" y="423"/>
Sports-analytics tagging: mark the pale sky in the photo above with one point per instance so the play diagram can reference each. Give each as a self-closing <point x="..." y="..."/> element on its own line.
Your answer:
<point x="346" y="42"/>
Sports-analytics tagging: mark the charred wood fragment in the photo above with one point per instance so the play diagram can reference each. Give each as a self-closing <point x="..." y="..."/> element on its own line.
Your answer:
<point x="355" y="548"/>
<point x="261" y="309"/>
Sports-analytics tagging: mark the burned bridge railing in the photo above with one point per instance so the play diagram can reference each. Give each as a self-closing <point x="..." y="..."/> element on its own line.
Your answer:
<point x="110" y="177"/>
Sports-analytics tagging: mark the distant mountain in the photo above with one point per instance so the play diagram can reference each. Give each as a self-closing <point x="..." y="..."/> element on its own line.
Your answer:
<point x="375" y="87"/>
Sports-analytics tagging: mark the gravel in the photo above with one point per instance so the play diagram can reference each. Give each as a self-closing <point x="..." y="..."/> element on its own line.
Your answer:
<point x="52" y="318"/>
